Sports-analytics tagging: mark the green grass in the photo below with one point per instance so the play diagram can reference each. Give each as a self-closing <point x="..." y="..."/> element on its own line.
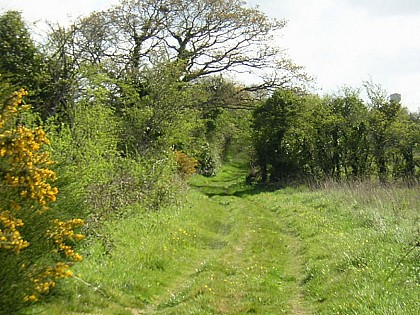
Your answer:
<point x="355" y="241"/>
<point x="236" y="249"/>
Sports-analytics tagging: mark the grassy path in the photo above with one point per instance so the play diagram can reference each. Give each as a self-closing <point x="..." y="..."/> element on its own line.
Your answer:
<point x="232" y="249"/>
<point x="253" y="264"/>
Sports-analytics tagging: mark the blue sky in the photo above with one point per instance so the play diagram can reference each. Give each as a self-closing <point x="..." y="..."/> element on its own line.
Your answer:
<point x="340" y="42"/>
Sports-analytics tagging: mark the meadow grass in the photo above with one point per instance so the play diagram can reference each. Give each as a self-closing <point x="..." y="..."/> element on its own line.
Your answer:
<point x="360" y="246"/>
<point x="237" y="249"/>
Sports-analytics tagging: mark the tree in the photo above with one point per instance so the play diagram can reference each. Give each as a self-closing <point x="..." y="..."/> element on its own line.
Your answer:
<point x="215" y="35"/>
<point x="22" y="64"/>
<point x="162" y="118"/>
<point x="341" y="145"/>
<point x="272" y="120"/>
<point x="62" y="68"/>
<point x="204" y="37"/>
<point x="19" y="61"/>
<point x="383" y="113"/>
<point x="404" y="136"/>
<point x="355" y="127"/>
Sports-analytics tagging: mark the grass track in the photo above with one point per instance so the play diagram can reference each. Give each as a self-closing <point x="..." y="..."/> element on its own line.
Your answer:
<point x="234" y="249"/>
<point x="254" y="266"/>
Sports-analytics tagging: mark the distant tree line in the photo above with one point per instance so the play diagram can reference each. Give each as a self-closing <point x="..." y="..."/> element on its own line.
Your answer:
<point x="337" y="137"/>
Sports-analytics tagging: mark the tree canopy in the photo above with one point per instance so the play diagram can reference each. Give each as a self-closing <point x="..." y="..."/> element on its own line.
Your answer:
<point x="336" y="137"/>
<point x="205" y="37"/>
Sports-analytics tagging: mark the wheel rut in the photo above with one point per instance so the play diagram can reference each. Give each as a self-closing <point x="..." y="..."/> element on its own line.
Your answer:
<point x="258" y="267"/>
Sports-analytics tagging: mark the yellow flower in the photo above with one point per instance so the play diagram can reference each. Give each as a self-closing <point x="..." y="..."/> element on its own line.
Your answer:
<point x="79" y="237"/>
<point x="29" y="177"/>
<point x="30" y="298"/>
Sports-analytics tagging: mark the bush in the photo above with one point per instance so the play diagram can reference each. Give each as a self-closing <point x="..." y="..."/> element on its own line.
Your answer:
<point x="99" y="179"/>
<point x="36" y="245"/>
<point x="207" y="161"/>
<point x="186" y="165"/>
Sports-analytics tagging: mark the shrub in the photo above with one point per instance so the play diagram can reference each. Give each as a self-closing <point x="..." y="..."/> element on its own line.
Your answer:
<point x="36" y="245"/>
<point x="186" y="165"/>
<point x="207" y="160"/>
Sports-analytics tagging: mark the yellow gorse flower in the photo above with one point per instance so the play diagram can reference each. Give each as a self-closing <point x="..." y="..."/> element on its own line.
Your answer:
<point x="63" y="233"/>
<point x="26" y="177"/>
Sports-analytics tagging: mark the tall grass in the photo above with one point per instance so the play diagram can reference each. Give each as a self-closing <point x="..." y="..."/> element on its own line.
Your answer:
<point x="361" y="245"/>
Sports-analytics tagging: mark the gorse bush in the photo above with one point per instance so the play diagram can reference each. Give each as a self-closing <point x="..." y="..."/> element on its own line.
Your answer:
<point x="36" y="244"/>
<point x="186" y="165"/>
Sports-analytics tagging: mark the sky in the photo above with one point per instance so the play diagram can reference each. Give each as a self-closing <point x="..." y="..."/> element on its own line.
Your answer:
<point x="339" y="42"/>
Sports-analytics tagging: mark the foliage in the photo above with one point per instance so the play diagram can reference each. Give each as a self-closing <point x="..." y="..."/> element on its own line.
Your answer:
<point x="271" y="122"/>
<point x="160" y="112"/>
<point x="224" y="112"/>
<point x="336" y="137"/>
<point x="132" y="103"/>
<point x="115" y="152"/>
<point x="23" y="64"/>
<point x="36" y="249"/>
<point x="19" y="55"/>
<point x="86" y="146"/>
<point x="393" y="135"/>
<point x="202" y="37"/>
